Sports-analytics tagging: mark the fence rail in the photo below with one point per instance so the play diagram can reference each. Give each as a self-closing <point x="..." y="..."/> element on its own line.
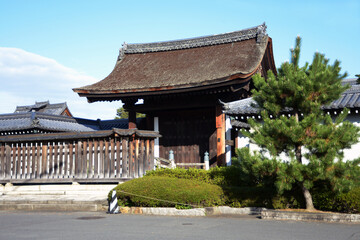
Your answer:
<point x="102" y="156"/>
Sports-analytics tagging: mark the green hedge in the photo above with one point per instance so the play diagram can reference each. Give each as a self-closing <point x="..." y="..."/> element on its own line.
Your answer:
<point x="151" y="190"/>
<point x="225" y="186"/>
<point x="344" y="202"/>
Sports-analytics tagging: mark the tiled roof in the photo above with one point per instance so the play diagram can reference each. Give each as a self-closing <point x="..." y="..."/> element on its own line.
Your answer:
<point x="54" y="123"/>
<point x="349" y="99"/>
<point x="43" y="107"/>
<point x="257" y="32"/>
<point x="182" y="65"/>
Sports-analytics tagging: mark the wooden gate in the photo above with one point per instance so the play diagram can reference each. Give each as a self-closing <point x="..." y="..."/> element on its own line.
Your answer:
<point x="102" y="156"/>
<point x="188" y="134"/>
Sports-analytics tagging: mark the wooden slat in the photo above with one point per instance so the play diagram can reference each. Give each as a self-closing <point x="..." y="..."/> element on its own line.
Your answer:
<point x="101" y="158"/>
<point x="28" y="160"/>
<point x="151" y="157"/>
<point x="44" y="161"/>
<point x="78" y="154"/>
<point x="124" y="153"/>
<point x="18" y="161"/>
<point x="56" y="161"/>
<point x="38" y="161"/>
<point x="118" y="157"/>
<point x="2" y="161"/>
<point x="84" y="159"/>
<point x="136" y="159"/>
<point x="51" y="161"/>
<point x="69" y="162"/>
<point x="112" y="158"/>
<point x="131" y="158"/>
<point x="8" y="151"/>
<point x="61" y="160"/>
<point x="33" y="160"/>
<point x="106" y="160"/>
<point x="141" y="159"/>
<point x="91" y="159"/>
<point x="146" y="156"/>
<point x="96" y="159"/>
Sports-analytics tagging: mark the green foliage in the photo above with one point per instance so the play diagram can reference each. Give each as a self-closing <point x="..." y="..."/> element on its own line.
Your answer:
<point x="293" y="121"/>
<point x="191" y="174"/>
<point x="121" y="113"/>
<point x="349" y="202"/>
<point x="157" y="191"/>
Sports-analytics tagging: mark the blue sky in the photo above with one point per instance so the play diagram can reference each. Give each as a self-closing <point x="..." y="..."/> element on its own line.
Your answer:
<point x="48" y="47"/>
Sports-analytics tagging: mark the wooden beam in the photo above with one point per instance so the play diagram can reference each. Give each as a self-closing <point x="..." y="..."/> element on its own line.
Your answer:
<point x="220" y="136"/>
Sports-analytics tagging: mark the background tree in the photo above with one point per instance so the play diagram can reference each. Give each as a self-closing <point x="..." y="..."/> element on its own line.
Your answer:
<point x="122" y="114"/>
<point x="294" y="124"/>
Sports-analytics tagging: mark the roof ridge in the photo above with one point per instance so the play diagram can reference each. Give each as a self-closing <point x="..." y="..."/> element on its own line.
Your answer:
<point x="258" y="32"/>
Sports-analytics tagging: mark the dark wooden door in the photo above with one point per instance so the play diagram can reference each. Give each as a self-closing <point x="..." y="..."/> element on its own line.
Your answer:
<point x="187" y="133"/>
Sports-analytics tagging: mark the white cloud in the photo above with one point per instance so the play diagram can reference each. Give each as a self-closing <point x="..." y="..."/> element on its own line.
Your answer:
<point x="26" y="77"/>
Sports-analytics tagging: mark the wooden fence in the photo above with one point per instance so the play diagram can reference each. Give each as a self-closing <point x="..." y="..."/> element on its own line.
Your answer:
<point x="101" y="156"/>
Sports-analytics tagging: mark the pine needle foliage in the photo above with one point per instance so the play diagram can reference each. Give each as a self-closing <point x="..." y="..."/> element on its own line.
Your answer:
<point x="295" y="124"/>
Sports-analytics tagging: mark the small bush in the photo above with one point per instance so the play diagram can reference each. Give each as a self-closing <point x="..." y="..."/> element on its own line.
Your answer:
<point x="150" y="191"/>
<point x="349" y="202"/>
<point x="191" y="174"/>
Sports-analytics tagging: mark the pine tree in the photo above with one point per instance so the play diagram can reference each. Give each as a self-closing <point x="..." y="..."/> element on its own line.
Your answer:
<point x="294" y="124"/>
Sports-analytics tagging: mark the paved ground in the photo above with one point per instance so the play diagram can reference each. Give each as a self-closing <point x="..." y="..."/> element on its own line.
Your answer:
<point x="49" y="225"/>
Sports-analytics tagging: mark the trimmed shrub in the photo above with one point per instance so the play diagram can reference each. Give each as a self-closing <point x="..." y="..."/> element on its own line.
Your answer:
<point x="349" y="202"/>
<point x="155" y="191"/>
<point x="191" y="174"/>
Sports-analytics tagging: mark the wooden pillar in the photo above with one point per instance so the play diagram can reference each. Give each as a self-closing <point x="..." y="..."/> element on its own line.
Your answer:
<point x="132" y="119"/>
<point x="129" y="104"/>
<point x="220" y="136"/>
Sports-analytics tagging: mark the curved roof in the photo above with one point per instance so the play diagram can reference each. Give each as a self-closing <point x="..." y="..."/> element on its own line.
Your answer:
<point x="45" y="107"/>
<point x="24" y="122"/>
<point x="182" y="64"/>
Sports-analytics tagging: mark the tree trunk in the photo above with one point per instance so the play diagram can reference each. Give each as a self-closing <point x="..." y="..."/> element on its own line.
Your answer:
<point x="308" y="198"/>
<point x="306" y="192"/>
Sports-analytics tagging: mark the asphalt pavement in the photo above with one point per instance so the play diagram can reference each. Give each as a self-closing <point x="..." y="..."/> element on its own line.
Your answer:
<point x="98" y="225"/>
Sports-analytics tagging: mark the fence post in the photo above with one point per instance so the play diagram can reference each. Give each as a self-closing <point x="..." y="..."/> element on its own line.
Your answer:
<point x="171" y="158"/>
<point x="206" y="161"/>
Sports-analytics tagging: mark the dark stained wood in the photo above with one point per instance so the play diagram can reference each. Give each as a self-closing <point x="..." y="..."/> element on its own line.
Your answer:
<point x="61" y="160"/>
<point x="151" y="152"/>
<point x="28" y="161"/>
<point x="2" y="161"/>
<point x="136" y="159"/>
<point x="33" y="160"/>
<point x="125" y="160"/>
<point x="44" y="173"/>
<point x="77" y="165"/>
<point x="112" y="158"/>
<point x="18" y="161"/>
<point x="101" y="159"/>
<point x="91" y="160"/>
<point x="84" y="160"/>
<point x="106" y="160"/>
<point x="51" y="161"/>
<point x="132" y="119"/>
<point x="38" y="160"/>
<point x="146" y="155"/>
<point x="8" y="151"/>
<point x="141" y="157"/>
<point x="69" y="160"/>
<point x="96" y="159"/>
<point x="131" y="159"/>
<point x="118" y="157"/>
<point x="187" y="133"/>
<point x="77" y="160"/>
